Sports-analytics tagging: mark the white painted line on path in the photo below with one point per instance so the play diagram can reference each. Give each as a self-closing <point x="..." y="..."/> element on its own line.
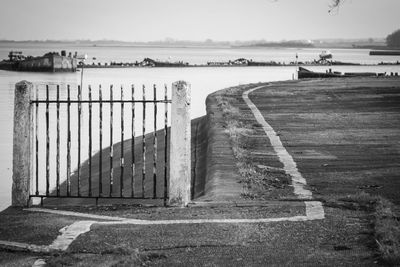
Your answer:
<point x="61" y="243"/>
<point x="69" y="234"/>
<point x="289" y="165"/>
<point x="314" y="210"/>
<point x="209" y="221"/>
<point x="76" y="214"/>
<point x="121" y="220"/>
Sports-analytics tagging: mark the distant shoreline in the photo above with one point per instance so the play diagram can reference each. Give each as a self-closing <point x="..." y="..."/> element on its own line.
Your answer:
<point x="300" y="44"/>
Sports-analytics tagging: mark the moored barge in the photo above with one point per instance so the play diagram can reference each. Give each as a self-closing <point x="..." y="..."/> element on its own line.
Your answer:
<point x="49" y="62"/>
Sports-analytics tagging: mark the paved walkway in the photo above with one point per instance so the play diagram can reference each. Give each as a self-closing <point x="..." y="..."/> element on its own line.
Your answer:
<point x="342" y="134"/>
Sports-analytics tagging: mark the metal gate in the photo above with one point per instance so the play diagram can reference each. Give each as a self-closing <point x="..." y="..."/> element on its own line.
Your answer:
<point x="86" y="143"/>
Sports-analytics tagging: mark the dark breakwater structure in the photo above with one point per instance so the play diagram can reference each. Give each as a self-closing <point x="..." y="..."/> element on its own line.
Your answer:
<point x="325" y="59"/>
<point x="384" y="53"/>
<point x="304" y="73"/>
<point x="240" y="62"/>
<point x="49" y="62"/>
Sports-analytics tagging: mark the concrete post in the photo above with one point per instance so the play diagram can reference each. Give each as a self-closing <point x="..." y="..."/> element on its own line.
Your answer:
<point x="180" y="173"/>
<point x="22" y="144"/>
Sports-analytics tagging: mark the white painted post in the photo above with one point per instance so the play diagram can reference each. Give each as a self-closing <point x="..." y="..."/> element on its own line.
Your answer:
<point x="22" y="144"/>
<point x="180" y="173"/>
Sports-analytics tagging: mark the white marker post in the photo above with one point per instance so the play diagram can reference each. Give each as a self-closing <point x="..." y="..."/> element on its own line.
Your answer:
<point x="22" y="144"/>
<point x="180" y="173"/>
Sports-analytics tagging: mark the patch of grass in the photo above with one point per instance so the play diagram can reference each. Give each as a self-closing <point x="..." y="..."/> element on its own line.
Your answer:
<point x="63" y="260"/>
<point x="385" y="221"/>
<point x="387" y="231"/>
<point x="115" y="256"/>
<point x="121" y="251"/>
<point x="31" y="227"/>
<point x="140" y="259"/>
<point x="248" y="195"/>
<point x="228" y="111"/>
<point x="152" y="256"/>
<point x="256" y="182"/>
<point x="358" y="201"/>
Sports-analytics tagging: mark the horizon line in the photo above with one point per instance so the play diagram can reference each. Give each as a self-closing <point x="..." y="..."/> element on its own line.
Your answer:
<point x="206" y="41"/>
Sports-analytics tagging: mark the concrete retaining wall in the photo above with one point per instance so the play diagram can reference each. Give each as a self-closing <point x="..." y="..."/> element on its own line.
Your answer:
<point x="217" y="164"/>
<point x="199" y="142"/>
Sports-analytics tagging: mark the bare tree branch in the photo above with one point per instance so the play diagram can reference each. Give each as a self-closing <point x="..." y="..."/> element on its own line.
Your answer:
<point x="335" y="5"/>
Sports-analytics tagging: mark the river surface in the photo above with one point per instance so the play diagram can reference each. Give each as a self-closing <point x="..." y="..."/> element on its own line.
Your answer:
<point x="203" y="81"/>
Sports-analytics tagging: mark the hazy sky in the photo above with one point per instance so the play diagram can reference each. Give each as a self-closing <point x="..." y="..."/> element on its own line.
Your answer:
<point x="147" y="20"/>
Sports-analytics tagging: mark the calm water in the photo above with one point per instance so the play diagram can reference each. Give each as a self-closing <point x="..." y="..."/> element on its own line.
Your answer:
<point x="195" y="55"/>
<point x="203" y="80"/>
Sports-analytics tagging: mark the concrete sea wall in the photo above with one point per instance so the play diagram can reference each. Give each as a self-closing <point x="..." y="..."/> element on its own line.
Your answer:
<point x="221" y="180"/>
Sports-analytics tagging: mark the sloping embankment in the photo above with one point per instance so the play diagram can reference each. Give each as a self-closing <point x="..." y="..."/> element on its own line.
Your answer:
<point x="221" y="179"/>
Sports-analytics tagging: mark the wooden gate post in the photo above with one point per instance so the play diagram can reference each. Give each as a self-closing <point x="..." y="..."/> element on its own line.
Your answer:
<point x="22" y="144"/>
<point x="180" y="173"/>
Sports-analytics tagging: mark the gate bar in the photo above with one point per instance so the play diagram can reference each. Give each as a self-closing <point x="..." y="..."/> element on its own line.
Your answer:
<point x="166" y="145"/>
<point x="68" y="141"/>
<point x="47" y="143"/>
<point x="58" y="143"/>
<point x="155" y="144"/>
<point x="90" y="141"/>
<point x="111" y="142"/>
<point x="121" y="187"/>
<point x="133" y="141"/>
<point x="37" y="141"/>
<point x="101" y="141"/>
<point x="79" y="138"/>
<point x="144" y="143"/>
